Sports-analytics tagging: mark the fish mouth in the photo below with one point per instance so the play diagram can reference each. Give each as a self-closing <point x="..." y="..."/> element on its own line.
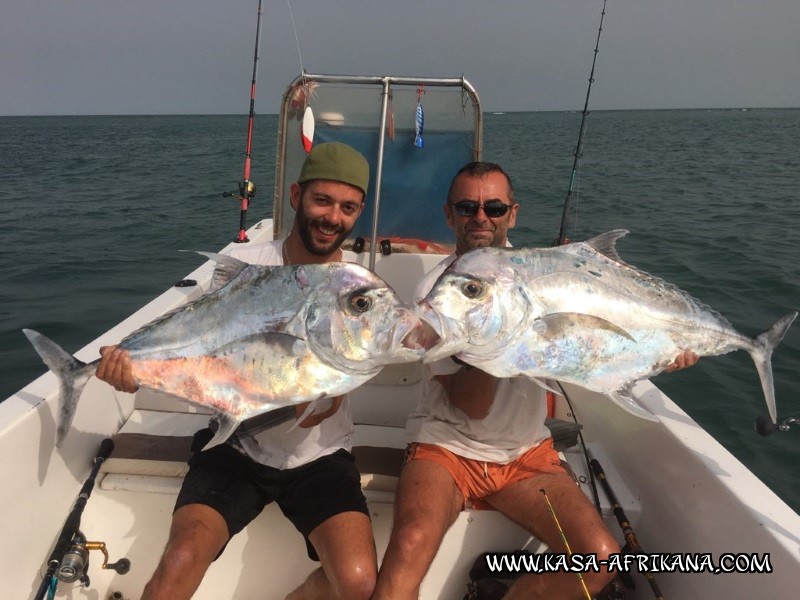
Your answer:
<point x="421" y="338"/>
<point x="449" y="340"/>
<point x="408" y="339"/>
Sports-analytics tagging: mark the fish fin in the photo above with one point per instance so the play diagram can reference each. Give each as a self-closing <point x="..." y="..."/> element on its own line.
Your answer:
<point x="295" y="326"/>
<point x="606" y="244"/>
<point x="560" y="324"/>
<point x="542" y="384"/>
<point x="294" y="345"/>
<point x="226" y="425"/>
<point x="226" y="269"/>
<point x="287" y="343"/>
<point x="623" y="398"/>
<point x="267" y="420"/>
<point x="761" y="353"/>
<point x="72" y="377"/>
<point x="310" y="409"/>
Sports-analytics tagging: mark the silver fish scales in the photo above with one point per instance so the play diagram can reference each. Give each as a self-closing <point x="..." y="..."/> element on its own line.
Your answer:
<point x="579" y="314"/>
<point x="270" y="337"/>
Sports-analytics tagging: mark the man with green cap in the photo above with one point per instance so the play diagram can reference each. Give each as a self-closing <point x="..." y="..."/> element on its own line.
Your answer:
<point x="307" y="469"/>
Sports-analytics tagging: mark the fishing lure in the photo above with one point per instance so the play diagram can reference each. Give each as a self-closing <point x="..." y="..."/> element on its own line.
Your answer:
<point x="307" y="129"/>
<point x="390" y="119"/>
<point x="420" y="120"/>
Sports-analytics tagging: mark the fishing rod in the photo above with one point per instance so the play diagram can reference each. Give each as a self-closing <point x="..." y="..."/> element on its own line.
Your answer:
<point x="578" y="152"/>
<point x="564" y="539"/>
<point x="69" y="560"/>
<point x="627" y="530"/>
<point x="247" y="189"/>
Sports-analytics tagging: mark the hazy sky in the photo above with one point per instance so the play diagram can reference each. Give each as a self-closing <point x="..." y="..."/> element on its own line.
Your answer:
<point x="194" y="56"/>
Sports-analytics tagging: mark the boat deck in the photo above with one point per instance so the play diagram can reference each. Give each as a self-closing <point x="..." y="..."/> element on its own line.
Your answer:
<point x="682" y="491"/>
<point x="144" y="475"/>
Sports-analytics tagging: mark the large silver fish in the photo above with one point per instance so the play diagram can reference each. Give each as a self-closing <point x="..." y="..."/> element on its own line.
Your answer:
<point x="270" y="337"/>
<point x="579" y="314"/>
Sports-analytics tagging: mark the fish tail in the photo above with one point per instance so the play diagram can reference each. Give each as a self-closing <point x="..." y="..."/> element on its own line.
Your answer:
<point x="762" y="357"/>
<point x="72" y="377"/>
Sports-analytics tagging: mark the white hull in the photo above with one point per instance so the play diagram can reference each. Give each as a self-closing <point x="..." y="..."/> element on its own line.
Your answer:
<point x="683" y="492"/>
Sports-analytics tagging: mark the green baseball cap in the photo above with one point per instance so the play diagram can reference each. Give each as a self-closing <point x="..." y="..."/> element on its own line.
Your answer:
<point x="336" y="162"/>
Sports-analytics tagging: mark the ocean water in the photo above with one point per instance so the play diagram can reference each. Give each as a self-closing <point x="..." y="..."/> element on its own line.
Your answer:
<point x="96" y="209"/>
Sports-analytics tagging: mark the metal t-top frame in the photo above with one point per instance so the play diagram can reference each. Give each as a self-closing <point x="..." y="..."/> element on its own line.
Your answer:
<point x="386" y="82"/>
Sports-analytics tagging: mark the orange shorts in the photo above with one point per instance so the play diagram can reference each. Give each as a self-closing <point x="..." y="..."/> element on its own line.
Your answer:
<point x="478" y="479"/>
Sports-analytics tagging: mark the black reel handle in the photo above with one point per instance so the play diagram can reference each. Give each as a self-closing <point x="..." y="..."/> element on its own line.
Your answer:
<point x="764" y="425"/>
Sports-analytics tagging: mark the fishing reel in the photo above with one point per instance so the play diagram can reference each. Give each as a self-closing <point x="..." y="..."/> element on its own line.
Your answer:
<point x="764" y="426"/>
<point x="247" y="190"/>
<point x="75" y="564"/>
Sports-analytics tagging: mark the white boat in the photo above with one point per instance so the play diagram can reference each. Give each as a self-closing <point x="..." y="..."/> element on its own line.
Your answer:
<point x="684" y="494"/>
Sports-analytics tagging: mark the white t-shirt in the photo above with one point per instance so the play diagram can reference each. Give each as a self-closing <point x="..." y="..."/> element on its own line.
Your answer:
<point x="514" y="424"/>
<point x="278" y="447"/>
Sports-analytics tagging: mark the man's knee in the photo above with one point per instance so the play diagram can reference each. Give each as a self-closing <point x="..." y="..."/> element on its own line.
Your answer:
<point x="604" y="546"/>
<point x="180" y="571"/>
<point x="413" y="537"/>
<point x="356" y="581"/>
<point x="183" y="555"/>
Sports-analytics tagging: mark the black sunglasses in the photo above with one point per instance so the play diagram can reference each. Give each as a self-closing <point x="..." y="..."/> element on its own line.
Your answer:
<point x="492" y="209"/>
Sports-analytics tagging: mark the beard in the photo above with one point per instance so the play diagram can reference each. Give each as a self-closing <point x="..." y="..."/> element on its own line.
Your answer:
<point x="305" y="226"/>
<point x="483" y="238"/>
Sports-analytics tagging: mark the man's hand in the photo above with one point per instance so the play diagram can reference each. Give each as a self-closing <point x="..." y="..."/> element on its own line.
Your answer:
<point x="685" y="360"/>
<point x="317" y="418"/>
<point x="115" y="368"/>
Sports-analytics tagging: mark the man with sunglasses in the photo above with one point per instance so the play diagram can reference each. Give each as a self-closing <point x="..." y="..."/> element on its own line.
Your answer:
<point x="476" y="440"/>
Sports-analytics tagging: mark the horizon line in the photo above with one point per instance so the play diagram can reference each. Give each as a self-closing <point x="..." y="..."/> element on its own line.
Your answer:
<point x="485" y="112"/>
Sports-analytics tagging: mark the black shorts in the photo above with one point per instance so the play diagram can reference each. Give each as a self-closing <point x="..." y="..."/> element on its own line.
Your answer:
<point x="239" y="489"/>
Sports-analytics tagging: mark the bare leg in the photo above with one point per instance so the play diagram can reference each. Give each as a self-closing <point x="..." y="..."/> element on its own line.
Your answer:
<point x="196" y="536"/>
<point x="583" y="527"/>
<point x="426" y="505"/>
<point x="346" y="551"/>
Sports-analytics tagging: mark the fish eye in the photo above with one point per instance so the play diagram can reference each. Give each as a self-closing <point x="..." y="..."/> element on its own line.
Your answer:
<point x="472" y="288"/>
<point x="360" y="302"/>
